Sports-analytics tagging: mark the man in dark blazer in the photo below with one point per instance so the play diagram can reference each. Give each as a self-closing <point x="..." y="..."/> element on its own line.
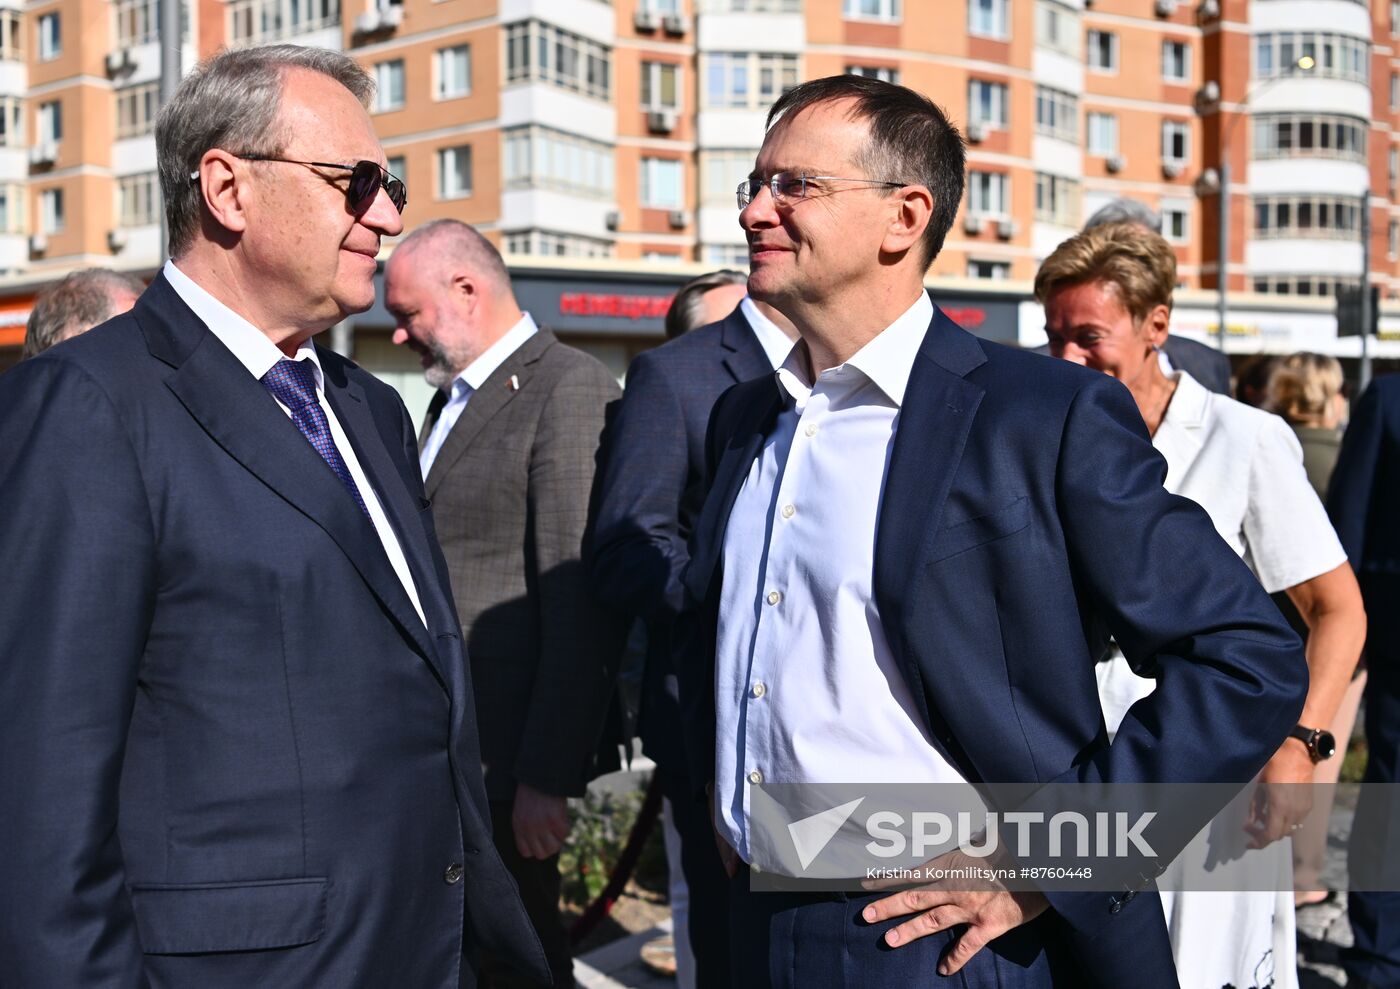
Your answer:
<point x="237" y="745"/>
<point x="1021" y="520"/>
<point x="651" y="493"/>
<point x="508" y="455"/>
<point x="1361" y="500"/>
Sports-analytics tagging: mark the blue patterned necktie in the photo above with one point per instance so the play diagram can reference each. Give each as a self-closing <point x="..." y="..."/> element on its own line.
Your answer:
<point x="294" y="384"/>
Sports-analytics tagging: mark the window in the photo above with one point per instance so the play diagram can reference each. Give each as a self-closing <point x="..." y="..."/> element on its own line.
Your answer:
<point x="1056" y="200"/>
<point x="662" y="183"/>
<point x="1176" y="141"/>
<point x="1056" y="113"/>
<point x="1394" y="17"/>
<point x="12" y="218"/>
<point x="11" y="122"/>
<point x="1176" y="61"/>
<point x="748" y="80"/>
<point x="1307" y="216"/>
<point x="454" y="172"/>
<point x="987" y="18"/>
<point x="1393" y="240"/>
<point x="660" y="86"/>
<point x="398" y="167"/>
<point x="136" y="110"/>
<point x="1336" y="56"/>
<point x="880" y="72"/>
<point x="50" y="38"/>
<point x="1392" y="167"/>
<point x="539" y="52"/>
<point x="1325" y="285"/>
<point x="255" y="22"/>
<point x="1395" y="91"/>
<point x="885" y="10"/>
<point x="749" y="7"/>
<point x="1176" y="222"/>
<point x="544" y="158"/>
<point x="11" y="33"/>
<point x="988" y="193"/>
<point x="138" y="22"/>
<point x="1309" y="135"/>
<point x="1103" y="133"/>
<point x="734" y="256"/>
<point x="1103" y="51"/>
<point x="453" y="69"/>
<point x="986" y="103"/>
<point x="720" y="174"/>
<point x="551" y="244"/>
<point x="388" y="85"/>
<point x="1056" y="27"/>
<point x="51" y="211"/>
<point x="995" y="270"/>
<point x="661" y="6"/>
<point x="136" y="200"/>
<point x="50" y="120"/>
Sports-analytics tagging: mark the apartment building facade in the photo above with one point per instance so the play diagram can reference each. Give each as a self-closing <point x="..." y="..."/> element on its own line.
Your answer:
<point x="617" y="131"/>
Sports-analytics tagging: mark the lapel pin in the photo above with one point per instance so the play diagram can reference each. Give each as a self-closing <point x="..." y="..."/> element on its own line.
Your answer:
<point x="514" y="383"/>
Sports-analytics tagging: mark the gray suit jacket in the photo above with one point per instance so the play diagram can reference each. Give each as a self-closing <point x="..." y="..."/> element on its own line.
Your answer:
<point x="510" y="490"/>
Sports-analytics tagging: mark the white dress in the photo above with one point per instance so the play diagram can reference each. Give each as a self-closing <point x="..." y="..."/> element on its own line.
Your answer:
<point x="1245" y="468"/>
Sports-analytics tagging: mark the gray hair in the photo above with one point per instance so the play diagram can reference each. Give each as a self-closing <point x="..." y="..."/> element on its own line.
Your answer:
<point x="455" y="241"/>
<point x="231" y="101"/>
<point x="687" y="307"/>
<point x="82" y="300"/>
<point x="1125" y="211"/>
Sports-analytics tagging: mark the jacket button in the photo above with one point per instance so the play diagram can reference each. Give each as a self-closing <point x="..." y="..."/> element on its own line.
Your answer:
<point x="1117" y="905"/>
<point x="452" y="874"/>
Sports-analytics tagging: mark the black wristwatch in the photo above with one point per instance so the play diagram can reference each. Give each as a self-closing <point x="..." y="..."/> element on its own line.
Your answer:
<point x="1321" y="745"/>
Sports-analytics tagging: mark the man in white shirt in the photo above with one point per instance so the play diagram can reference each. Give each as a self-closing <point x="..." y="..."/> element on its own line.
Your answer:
<point x="236" y="735"/>
<point x="899" y="577"/>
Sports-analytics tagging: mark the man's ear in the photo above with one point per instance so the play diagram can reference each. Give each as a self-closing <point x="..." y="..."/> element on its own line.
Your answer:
<point x="465" y="292"/>
<point x="913" y="210"/>
<point x="223" y="186"/>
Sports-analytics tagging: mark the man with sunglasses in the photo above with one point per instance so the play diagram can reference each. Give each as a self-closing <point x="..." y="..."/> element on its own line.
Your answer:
<point x="237" y="739"/>
<point x="914" y="547"/>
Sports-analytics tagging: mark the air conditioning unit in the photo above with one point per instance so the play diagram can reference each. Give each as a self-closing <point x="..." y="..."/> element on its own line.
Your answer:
<point x="661" y="121"/>
<point x="379" y="20"/>
<point x="612" y="219"/>
<point x="1209" y="10"/>
<point x="973" y="224"/>
<point x="1164" y="8"/>
<point x="119" y="61"/>
<point x="116" y="239"/>
<point x="38" y="243"/>
<point x="43" y="153"/>
<point x="1114" y="163"/>
<point x="367" y="23"/>
<point x="1207" y="182"/>
<point x="676" y="24"/>
<point x="1172" y="169"/>
<point x="645" y="20"/>
<point x="1007" y="228"/>
<point x="976" y="131"/>
<point x="678" y="218"/>
<point x="1209" y="93"/>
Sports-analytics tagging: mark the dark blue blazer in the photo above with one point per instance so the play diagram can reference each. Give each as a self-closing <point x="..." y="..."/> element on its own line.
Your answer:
<point x="1365" y="487"/>
<point x="1023" y="521"/>
<point x="652" y="491"/>
<point x="231" y="753"/>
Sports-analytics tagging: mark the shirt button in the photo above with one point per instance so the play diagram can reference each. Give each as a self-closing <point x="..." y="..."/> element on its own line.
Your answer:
<point x="789" y="511"/>
<point x="759" y="689"/>
<point x="452" y="874"/>
<point x="774" y="597"/>
<point x="755" y="777"/>
<point x="811" y="429"/>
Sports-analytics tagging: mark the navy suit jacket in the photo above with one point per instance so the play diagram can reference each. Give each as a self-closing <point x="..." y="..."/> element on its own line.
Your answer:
<point x="231" y="753"/>
<point x="1023" y="521"/>
<point x="652" y="490"/>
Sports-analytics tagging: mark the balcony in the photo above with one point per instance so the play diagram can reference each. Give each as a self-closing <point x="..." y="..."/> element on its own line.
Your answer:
<point x="314" y="23"/>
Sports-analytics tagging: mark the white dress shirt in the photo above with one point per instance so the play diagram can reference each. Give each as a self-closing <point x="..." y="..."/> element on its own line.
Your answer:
<point x="258" y="354"/>
<point x="472" y="377"/>
<point x="806" y="687"/>
<point x="776" y="344"/>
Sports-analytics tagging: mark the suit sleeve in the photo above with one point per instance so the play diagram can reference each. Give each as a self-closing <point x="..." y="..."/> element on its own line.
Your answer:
<point x="1354" y="477"/>
<point x="77" y="540"/>
<point x="578" y="648"/>
<point x="1231" y="678"/>
<point x="637" y="552"/>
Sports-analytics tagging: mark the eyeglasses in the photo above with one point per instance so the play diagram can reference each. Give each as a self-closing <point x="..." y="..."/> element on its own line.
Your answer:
<point x="788" y="187"/>
<point x="366" y="179"/>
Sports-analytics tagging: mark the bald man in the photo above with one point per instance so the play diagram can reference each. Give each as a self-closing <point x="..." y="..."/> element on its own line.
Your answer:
<point x="507" y="454"/>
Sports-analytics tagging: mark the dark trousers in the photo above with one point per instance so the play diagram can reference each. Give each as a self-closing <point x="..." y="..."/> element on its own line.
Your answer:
<point x="706" y="879"/>
<point x="538" y="880"/>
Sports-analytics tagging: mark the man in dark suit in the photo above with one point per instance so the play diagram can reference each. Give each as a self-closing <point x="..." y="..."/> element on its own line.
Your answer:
<point x="1021" y="521"/>
<point x="236" y="735"/>
<point x="651" y="493"/>
<point x="1361" y="500"/>
<point x="508" y="452"/>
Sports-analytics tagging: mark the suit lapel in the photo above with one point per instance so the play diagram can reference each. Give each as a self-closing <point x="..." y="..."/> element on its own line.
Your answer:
<point x="430" y="420"/>
<point x="1181" y="434"/>
<point x="744" y="356"/>
<point x="493" y="395"/>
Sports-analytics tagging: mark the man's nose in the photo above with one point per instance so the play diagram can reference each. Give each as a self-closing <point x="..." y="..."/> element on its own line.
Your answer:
<point x="761" y="210"/>
<point x="1072" y="352"/>
<point x="383" y="216"/>
<point x="400" y="336"/>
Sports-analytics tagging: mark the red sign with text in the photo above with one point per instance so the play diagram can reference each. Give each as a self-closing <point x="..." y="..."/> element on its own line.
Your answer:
<point x="609" y="304"/>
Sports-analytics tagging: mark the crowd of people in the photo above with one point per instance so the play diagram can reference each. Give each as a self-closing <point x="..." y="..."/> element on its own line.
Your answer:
<point x="295" y="697"/>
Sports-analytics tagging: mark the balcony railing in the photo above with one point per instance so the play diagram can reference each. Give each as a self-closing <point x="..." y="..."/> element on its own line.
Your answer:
<point x="255" y="22"/>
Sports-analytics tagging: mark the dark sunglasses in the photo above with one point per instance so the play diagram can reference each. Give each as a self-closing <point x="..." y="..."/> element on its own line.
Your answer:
<point x="366" y="179"/>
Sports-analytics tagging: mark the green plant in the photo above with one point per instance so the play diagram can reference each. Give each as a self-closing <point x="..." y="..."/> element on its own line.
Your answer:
<point x="600" y="824"/>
